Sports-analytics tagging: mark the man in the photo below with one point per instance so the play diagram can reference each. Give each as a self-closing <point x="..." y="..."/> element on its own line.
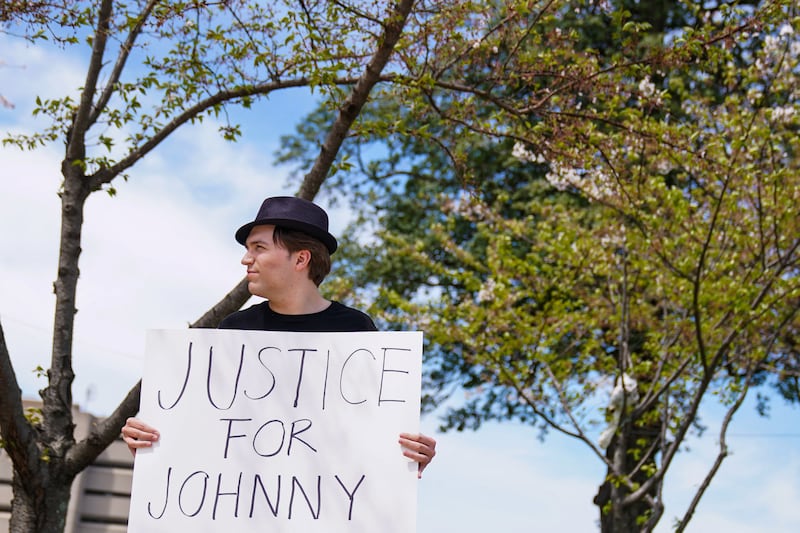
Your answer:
<point x="287" y="254"/>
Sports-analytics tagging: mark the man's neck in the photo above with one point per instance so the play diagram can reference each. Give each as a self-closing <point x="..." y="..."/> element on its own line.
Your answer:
<point x="300" y="302"/>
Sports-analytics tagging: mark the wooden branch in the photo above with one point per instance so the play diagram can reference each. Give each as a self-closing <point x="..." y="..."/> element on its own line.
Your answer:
<point x="18" y="436"/>
<point x="119" y="66"/>
<point x="233" y="301"/>
<point x="723" y="453"/>
<point x="76" y="145"/>
<point x="106" y="175"/>
<point x="102" y="434"/>
<point x="351" y="108"/>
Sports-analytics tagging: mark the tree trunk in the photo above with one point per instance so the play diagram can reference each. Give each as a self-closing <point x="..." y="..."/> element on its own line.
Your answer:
<point x="617" y="515"/>
<point x="42" y="492"/>
<point x="40" y="507"/>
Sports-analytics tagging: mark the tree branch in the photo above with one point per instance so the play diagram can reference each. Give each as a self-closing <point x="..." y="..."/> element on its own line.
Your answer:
<point x="723" y="453"/>
<point x="102" y="434"/>
<point x="233" y="301"/>
<point x="122" y="58"/>
<point x="106" y="175"/>
<point x="351" y="108"/>
<point x="19" y="439"/>
<point x="76" y="146"/>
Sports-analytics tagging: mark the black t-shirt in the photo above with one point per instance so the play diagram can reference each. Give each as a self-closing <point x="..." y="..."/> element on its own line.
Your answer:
<point x="336" y="317"/>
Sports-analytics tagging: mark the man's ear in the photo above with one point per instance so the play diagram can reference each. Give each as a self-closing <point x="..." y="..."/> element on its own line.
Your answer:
<point x="302" y="259"/>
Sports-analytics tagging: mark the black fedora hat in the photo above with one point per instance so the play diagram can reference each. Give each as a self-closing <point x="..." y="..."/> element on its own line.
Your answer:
<point x="292" y="213"/>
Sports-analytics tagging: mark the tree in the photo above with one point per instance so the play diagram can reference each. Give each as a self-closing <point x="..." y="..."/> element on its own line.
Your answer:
<point x="645" y="247"/>
<point x="174" y="63"/>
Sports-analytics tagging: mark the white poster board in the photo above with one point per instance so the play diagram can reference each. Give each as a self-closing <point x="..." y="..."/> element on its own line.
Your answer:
<point x="278" y="431"/>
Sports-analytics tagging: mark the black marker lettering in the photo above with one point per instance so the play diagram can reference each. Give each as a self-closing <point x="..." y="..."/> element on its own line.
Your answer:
<point x="235" y="385"/>
<point x="341" y="376"/>
<point x="350" y="495"/>
<point x="325" y="383"/>
<point x="280" y="444"/>
<point x="296" y="483"/>
<point x="272" y="385"/>
<point x="273" y="508"/>
<point x="300" y="372"/>
<point x="216" y="499"/>
<point x="166" y="499"/>
<point x="228" y="435"/>
<point x="202" y="497"/>
<point x="185" y="382"/>
<point x="385" y="371"/>
<point x="294" y="435"/>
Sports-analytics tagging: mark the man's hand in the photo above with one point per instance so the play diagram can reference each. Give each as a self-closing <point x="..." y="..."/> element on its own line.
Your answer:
<point x="137" y="434"/>
<point x="418" y="447"/>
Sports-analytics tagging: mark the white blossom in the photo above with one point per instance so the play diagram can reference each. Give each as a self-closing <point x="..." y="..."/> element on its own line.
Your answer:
<point x="783" y="114"/>
<point x="664" y="166"/>
<point x="604" y="5"/>
<point x="771" y="45"/>
<point x="486" y="293"/>
<point x="596" y="185"/>
<point x="470" y="209"/>
<point x="614" y="239"/>
<point x="523" y="154"/>
<point x="520" y="152"/>
<point x="754" y="95"/>
<point x="647" y="87"/>
<point x="785" y="30"/>
<point x="562" y="177"/>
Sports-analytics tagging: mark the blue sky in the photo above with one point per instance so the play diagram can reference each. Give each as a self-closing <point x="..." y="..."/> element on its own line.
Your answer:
<point x="162" y="252"/>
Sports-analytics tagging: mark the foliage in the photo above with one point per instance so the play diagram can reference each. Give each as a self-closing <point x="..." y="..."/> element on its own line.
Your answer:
<point x="603" y="198"/>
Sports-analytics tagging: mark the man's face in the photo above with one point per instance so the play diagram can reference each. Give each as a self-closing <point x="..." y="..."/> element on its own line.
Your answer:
<point x="270" y="267"/>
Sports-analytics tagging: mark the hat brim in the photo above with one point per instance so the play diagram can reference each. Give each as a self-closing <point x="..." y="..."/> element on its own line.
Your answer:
<point x="326" y="238"/>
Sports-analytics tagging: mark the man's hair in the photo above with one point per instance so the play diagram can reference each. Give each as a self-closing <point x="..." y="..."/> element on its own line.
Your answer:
<point x="294" y="241"/>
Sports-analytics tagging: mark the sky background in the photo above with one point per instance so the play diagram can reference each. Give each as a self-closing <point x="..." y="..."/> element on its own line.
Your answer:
<point x="162" y="252"/>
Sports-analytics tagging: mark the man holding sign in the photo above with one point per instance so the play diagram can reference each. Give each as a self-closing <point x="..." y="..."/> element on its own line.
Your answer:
<point x="288" y="249"/>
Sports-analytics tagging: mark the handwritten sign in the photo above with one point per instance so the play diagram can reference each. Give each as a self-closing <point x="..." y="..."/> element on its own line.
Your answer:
<point x="282" y="432"/>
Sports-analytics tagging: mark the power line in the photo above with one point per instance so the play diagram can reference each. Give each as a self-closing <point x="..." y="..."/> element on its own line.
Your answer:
<point x="77" y="340"/>
<point x="766" y="435"/>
